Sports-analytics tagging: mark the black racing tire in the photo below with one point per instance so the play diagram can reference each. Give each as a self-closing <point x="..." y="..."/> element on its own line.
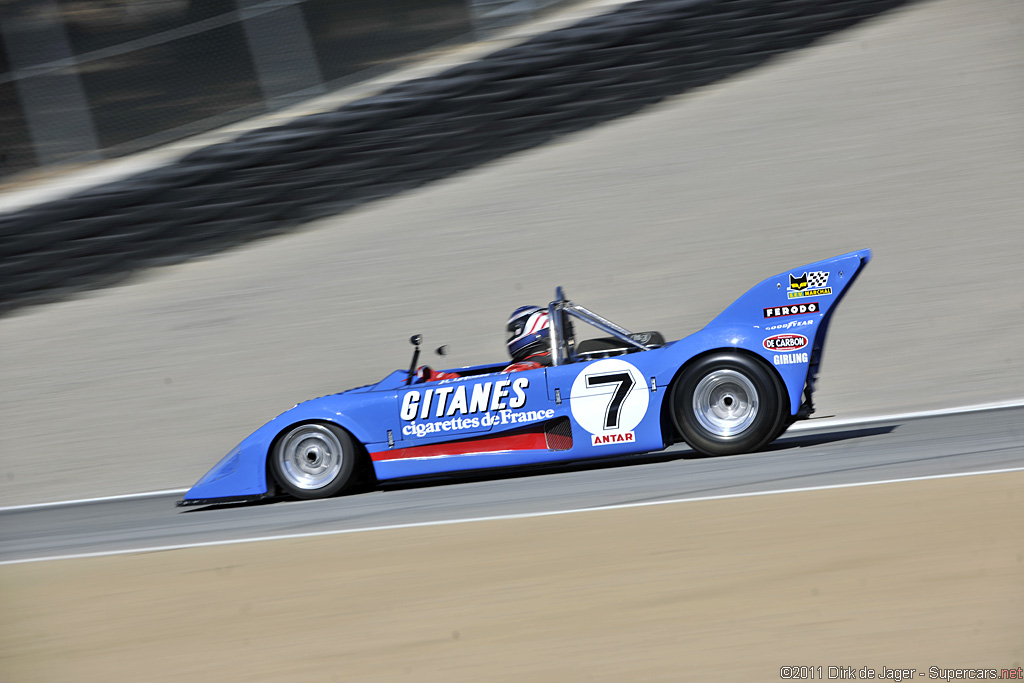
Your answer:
<point x="313" y="460"/>
<point x="783" y="427"/>
<point x="728" y="403"/>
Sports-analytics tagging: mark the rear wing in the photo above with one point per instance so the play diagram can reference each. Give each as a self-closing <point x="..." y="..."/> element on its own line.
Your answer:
<point x="793" y="309"/>
<point x="813" y="290"/>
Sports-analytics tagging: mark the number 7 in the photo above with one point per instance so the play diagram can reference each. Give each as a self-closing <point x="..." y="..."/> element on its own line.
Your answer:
<point x="624" y="382"/>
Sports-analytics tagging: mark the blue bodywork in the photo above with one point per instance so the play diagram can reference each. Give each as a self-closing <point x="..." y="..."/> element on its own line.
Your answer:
<point x="487" y="418"/>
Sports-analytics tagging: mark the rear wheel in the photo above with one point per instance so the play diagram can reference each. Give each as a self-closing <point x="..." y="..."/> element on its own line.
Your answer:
<point x="313" y="460"/>
<point x="728" y="403"/>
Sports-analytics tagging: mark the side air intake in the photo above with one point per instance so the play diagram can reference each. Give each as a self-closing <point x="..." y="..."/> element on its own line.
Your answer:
<point x="558" y="434"/>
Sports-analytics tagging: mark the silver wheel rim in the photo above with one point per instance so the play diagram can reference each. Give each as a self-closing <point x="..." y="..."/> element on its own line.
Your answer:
<point x="310" y="457"/>
<point x="725" y="403"/>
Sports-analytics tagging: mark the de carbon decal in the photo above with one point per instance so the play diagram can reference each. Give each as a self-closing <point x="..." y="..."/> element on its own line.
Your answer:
<point x="609" y="398"/>
<point x="811" y="283"/>
<point x="789" y="358"/>
<point x="792" y="309"/>
<point x="463" y="407"/>
<point x="785" y="342"/>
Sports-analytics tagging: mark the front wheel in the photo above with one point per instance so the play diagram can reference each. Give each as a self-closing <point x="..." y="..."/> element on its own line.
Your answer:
<point x="728" y="403"/>
<point x="313" y="460"/>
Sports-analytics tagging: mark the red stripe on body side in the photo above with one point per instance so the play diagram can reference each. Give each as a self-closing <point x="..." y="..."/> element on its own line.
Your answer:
<point x="528" y="441"/>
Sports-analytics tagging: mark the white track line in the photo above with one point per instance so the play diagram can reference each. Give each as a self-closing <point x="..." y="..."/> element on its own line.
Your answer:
<point x="799" y="426"/>
<point x="80" y="501"/>
<point x="941" y="412"/>
<point x="522" y="515"/>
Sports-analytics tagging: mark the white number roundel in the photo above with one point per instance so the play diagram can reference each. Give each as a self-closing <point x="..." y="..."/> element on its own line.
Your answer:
<point x="609" y="396"/>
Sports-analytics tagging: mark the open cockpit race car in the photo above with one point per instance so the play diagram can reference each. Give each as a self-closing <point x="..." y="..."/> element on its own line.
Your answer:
<point x="732" y="387"/>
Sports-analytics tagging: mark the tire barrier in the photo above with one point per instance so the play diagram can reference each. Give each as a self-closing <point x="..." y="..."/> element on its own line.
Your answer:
<point x="415" y="132"/>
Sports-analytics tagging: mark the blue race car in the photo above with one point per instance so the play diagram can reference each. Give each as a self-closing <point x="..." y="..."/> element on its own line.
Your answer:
<point x="730" y="388"/>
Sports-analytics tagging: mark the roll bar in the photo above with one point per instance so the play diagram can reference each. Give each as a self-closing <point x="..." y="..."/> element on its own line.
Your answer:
<point x="562" y="349"/>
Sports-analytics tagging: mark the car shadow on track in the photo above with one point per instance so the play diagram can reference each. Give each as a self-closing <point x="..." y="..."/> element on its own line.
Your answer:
<point x="806" y="440"/>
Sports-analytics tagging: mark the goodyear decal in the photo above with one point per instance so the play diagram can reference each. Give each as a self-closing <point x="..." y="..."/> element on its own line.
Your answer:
<point x="790" y="325"/>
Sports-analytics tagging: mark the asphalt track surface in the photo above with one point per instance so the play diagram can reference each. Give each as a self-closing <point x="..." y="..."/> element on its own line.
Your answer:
<point x="878" y="451"/>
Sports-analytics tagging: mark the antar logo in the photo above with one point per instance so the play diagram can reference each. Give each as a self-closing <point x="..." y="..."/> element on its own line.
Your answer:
<point x="616" y="437"/>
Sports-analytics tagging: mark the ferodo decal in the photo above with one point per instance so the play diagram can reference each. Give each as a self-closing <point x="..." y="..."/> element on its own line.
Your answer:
<point x="785" y="342"/>
<point x="609" y="398"/>
<point x="811" y="283"/>
<point x="792" y="309"/>
<point x="467" y="407"/>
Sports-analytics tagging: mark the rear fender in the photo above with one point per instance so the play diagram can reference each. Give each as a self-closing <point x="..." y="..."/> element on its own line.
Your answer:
<point x="786" y="319"/>
<point x="784" y="331"/>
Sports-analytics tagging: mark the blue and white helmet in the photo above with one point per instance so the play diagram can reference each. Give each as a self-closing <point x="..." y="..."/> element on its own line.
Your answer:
<point x="528" y="332"/>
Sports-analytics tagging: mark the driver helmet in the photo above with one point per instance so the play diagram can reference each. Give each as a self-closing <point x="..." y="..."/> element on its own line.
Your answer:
<point x="528" y="332"/>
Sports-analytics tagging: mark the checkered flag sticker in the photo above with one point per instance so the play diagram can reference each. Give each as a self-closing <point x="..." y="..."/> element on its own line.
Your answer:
<point x="817" y="279"/>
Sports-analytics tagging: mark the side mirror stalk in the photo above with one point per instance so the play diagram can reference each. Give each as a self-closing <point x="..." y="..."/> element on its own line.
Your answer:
<point x="415" y="341"/>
